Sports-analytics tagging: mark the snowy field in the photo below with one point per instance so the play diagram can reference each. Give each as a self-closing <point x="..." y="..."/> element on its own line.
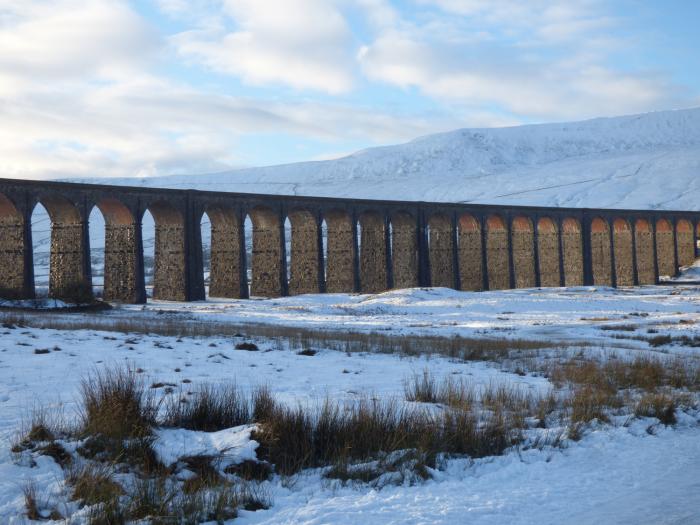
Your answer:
<point x="632" y="470"/>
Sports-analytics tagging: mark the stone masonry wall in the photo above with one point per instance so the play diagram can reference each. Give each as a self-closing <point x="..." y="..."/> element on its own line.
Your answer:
<point x="169" y="270"/>
<point x="622" y="242"/>
<point x="404" y="251"/>
<point x="548" y="254"/>
<point x="441" y="254"/>
<point x="304" y="257"/>
<point x="267" y="255"/>
<point x="497" y="258"/>
<point x="120" y="263"/>
<point x="12" y="256"/>
<point x="523" y="253"/>
<point x="572" y="245"/>
<point x="470" y="272"/>
<point x="341" y="252"/>
<point x="600" y="254"/>
<point x="66" y="259"/>
<point x="664" y="250"/>
<point x="644" y="244"/>
<point x="372" y="255"/>
<point x="224" y="273"/>
<point x="684" y="238"/>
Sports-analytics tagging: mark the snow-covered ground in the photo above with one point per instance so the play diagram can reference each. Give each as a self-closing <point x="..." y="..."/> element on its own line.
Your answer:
<point x="615" y="474"/>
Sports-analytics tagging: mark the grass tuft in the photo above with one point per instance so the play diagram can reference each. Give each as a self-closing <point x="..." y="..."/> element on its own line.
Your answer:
<point x="209" y="409"/>
<point x="115" y="404"/>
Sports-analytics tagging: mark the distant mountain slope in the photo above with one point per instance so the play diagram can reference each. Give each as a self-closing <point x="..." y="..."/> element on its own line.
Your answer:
<point x="641" y="161"/>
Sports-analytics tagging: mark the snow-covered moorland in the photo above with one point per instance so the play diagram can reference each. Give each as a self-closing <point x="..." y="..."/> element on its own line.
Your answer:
<point x="628" y="469"/>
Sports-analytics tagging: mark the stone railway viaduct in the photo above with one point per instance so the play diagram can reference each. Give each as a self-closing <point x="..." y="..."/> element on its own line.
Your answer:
<point x="372" y="245"/>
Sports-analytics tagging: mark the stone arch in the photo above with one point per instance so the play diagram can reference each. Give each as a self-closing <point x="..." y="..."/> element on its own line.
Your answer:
<point x="305" y="256"/>
<point x="470" y="256"/>
<point x="523" y="252"/>
<point x="341" y="247"/>
<point x="404" y="246"/>
<point x="13" y="252"/>
<point x="269" y="275"/>
<point x="548" y="252"/>
<point x="600" y="252"/>
<point x="441" y="251"/>
<point x="225" y="257"/>
<point x="169" y="279"/>
<point x="644" y="247"/>
<point x="684" y="243"/>
<point x="497" y="257"/>
<point x="69" y="263"/>
<point x="123" y="279"/>
<point x="572" y="248"/>
<point x="373" y="270"/>
<point x="622" y="244"/>
<point x="665" y="257"/>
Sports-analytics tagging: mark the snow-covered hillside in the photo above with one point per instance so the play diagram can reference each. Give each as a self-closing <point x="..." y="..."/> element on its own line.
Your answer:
<point x="640" y="161"/>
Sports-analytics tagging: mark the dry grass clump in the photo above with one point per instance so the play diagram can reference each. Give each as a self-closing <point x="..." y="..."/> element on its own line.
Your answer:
<point x="209" y="409"/>
<point x="425" y="388"/>
<point x="659" y="405"/>
<point x="115" y="404"/>
<point x="39" y="509"/>
<point x="296" y="438"/>
<point x="500" y="398"/>
<point x="643" y="372"/>
<point x="588" y="403"/>
<point x="92" y="484"/>
<point x="42" y="427"/>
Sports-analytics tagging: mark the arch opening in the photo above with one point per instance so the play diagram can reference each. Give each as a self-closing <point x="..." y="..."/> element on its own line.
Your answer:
<point x="148" y="234"/>
<point x="523" y="239"/>
<point x="548" y="252"/>
<point x="97" y="227"/>
<point x="324" y="249"/>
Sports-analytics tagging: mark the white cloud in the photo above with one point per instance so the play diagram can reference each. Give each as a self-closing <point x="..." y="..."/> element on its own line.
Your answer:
<point x="51" y="41"/>
<point x="304" y="44"/>
<point x="553" y="62"/>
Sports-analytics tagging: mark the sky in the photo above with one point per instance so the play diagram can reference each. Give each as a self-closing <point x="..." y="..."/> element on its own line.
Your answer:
<point x="120" y="88"/>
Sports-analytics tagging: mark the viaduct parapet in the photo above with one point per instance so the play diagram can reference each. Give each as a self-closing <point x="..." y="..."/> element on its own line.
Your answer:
<point x="336" y="245"/>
